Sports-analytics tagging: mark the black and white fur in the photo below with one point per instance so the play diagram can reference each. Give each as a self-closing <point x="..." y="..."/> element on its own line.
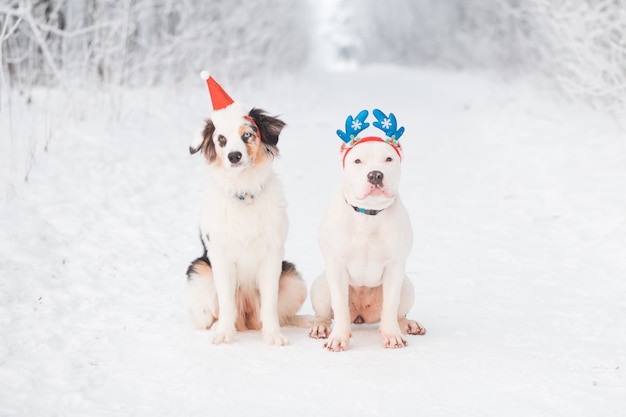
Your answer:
<point x="241" y="281"/>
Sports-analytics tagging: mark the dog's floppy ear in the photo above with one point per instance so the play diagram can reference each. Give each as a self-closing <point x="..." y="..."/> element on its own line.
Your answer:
<point x="343" y="149"/>
<point x="205" y="142"/>
<point x="269" y="126"/>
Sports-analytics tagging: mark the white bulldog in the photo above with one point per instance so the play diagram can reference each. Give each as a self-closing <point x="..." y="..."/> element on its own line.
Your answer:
<point x="365" y="238"/>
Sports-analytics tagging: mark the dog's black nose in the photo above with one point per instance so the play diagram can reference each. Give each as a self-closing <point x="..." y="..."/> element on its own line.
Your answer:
<point x="375" y="177"/>
<point x="234" y="157"/>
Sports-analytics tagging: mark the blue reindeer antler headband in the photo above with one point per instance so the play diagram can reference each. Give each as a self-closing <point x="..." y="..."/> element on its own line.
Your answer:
<point x="355" y="125"/>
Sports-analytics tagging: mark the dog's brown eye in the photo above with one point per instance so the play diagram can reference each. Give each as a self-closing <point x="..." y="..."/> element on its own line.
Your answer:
<point x="221" y="140"/>
<point x="357" y="161"/>
<point x="389" y="159"/>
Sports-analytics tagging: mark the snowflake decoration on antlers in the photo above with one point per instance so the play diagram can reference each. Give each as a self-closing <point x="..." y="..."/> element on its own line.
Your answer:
<point x="356" y="124"/>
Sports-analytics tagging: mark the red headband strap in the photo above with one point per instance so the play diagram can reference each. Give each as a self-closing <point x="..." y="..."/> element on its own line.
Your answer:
<point x="371" y="139"/>
<point x="251" y="120"/>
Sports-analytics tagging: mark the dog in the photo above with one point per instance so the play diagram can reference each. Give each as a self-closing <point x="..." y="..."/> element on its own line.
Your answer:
<point x="365" y="238"/>
<point x="241" y="281"/>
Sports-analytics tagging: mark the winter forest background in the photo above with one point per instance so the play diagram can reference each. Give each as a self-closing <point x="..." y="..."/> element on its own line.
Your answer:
<point x="579" y="44"/>
<point x="108" y="45"/>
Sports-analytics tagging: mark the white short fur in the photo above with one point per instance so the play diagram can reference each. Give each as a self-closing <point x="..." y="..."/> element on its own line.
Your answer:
<point x="365" y="256"/>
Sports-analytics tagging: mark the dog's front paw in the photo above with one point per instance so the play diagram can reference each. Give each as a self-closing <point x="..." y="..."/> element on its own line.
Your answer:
<point x="275" y="339"/>
<point x="411" y="327"/>
<point x="393" y="341"/>
<point x="222" y="337"/>
<point x="337" y="342"/>
<point x="320" y="329"/>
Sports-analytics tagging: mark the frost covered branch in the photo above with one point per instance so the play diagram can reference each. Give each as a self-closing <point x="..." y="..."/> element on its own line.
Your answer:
<point x="580" y="44"/>
<point x="86" y="42"/>
<point x="42" y="45"/>
<point x="586" y="49"/>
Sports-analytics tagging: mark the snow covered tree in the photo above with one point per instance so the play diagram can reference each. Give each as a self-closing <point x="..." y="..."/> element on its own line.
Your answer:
<point x="127" y="42"/>
<point x="578" y="43"/>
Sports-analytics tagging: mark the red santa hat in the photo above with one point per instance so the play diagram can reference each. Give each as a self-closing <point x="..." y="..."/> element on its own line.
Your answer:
<point x="224" y="107"/>
<point x="219" y="97"/>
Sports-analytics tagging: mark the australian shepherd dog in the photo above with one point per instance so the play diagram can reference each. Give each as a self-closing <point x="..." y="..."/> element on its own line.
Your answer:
<point x="241" y="281"/>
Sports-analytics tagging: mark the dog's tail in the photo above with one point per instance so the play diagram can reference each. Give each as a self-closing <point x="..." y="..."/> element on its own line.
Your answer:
<point x="300" y="320"/>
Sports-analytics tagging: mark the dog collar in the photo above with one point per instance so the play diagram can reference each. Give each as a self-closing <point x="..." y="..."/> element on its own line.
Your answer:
<point x="369" y="212"/>
<point x="244" y="196"/>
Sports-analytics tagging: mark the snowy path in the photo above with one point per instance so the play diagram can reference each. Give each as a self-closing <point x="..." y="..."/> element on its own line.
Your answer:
<point x="518" y="205"/>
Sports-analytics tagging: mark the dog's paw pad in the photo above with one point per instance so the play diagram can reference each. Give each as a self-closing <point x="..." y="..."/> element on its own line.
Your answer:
<point x="275" y="339"/>
<point x="412" y="327"/>
<point x="394" y="342"/>
<point x="319" y="331"/>
<point x="337" y="344"/>
<point x="222" y="337"/>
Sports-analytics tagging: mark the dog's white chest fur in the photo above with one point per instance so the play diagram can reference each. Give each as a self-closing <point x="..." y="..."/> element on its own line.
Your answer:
<point x="365" y="244"/>
<point x="366" y="267"/>
<point x="244" y="230"/>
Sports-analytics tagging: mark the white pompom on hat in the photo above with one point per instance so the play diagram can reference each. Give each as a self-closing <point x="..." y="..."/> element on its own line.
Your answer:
<point x="224" y="107"/>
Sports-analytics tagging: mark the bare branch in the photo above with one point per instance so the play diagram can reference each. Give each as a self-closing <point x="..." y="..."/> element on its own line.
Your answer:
<point x="28" y="18"/>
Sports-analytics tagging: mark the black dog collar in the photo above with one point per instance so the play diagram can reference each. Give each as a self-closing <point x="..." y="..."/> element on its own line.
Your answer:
<point x="369" y="212"/>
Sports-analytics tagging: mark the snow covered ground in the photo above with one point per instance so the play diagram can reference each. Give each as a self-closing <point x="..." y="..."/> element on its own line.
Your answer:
<point x="518" y="206"/>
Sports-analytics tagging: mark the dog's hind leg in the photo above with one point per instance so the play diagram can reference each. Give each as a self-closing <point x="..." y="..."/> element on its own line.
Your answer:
<point x="291" y="295"/>
<point x="201" y="294"/>
<point x="320" y="299"/>
<point x="407" y="297"/>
